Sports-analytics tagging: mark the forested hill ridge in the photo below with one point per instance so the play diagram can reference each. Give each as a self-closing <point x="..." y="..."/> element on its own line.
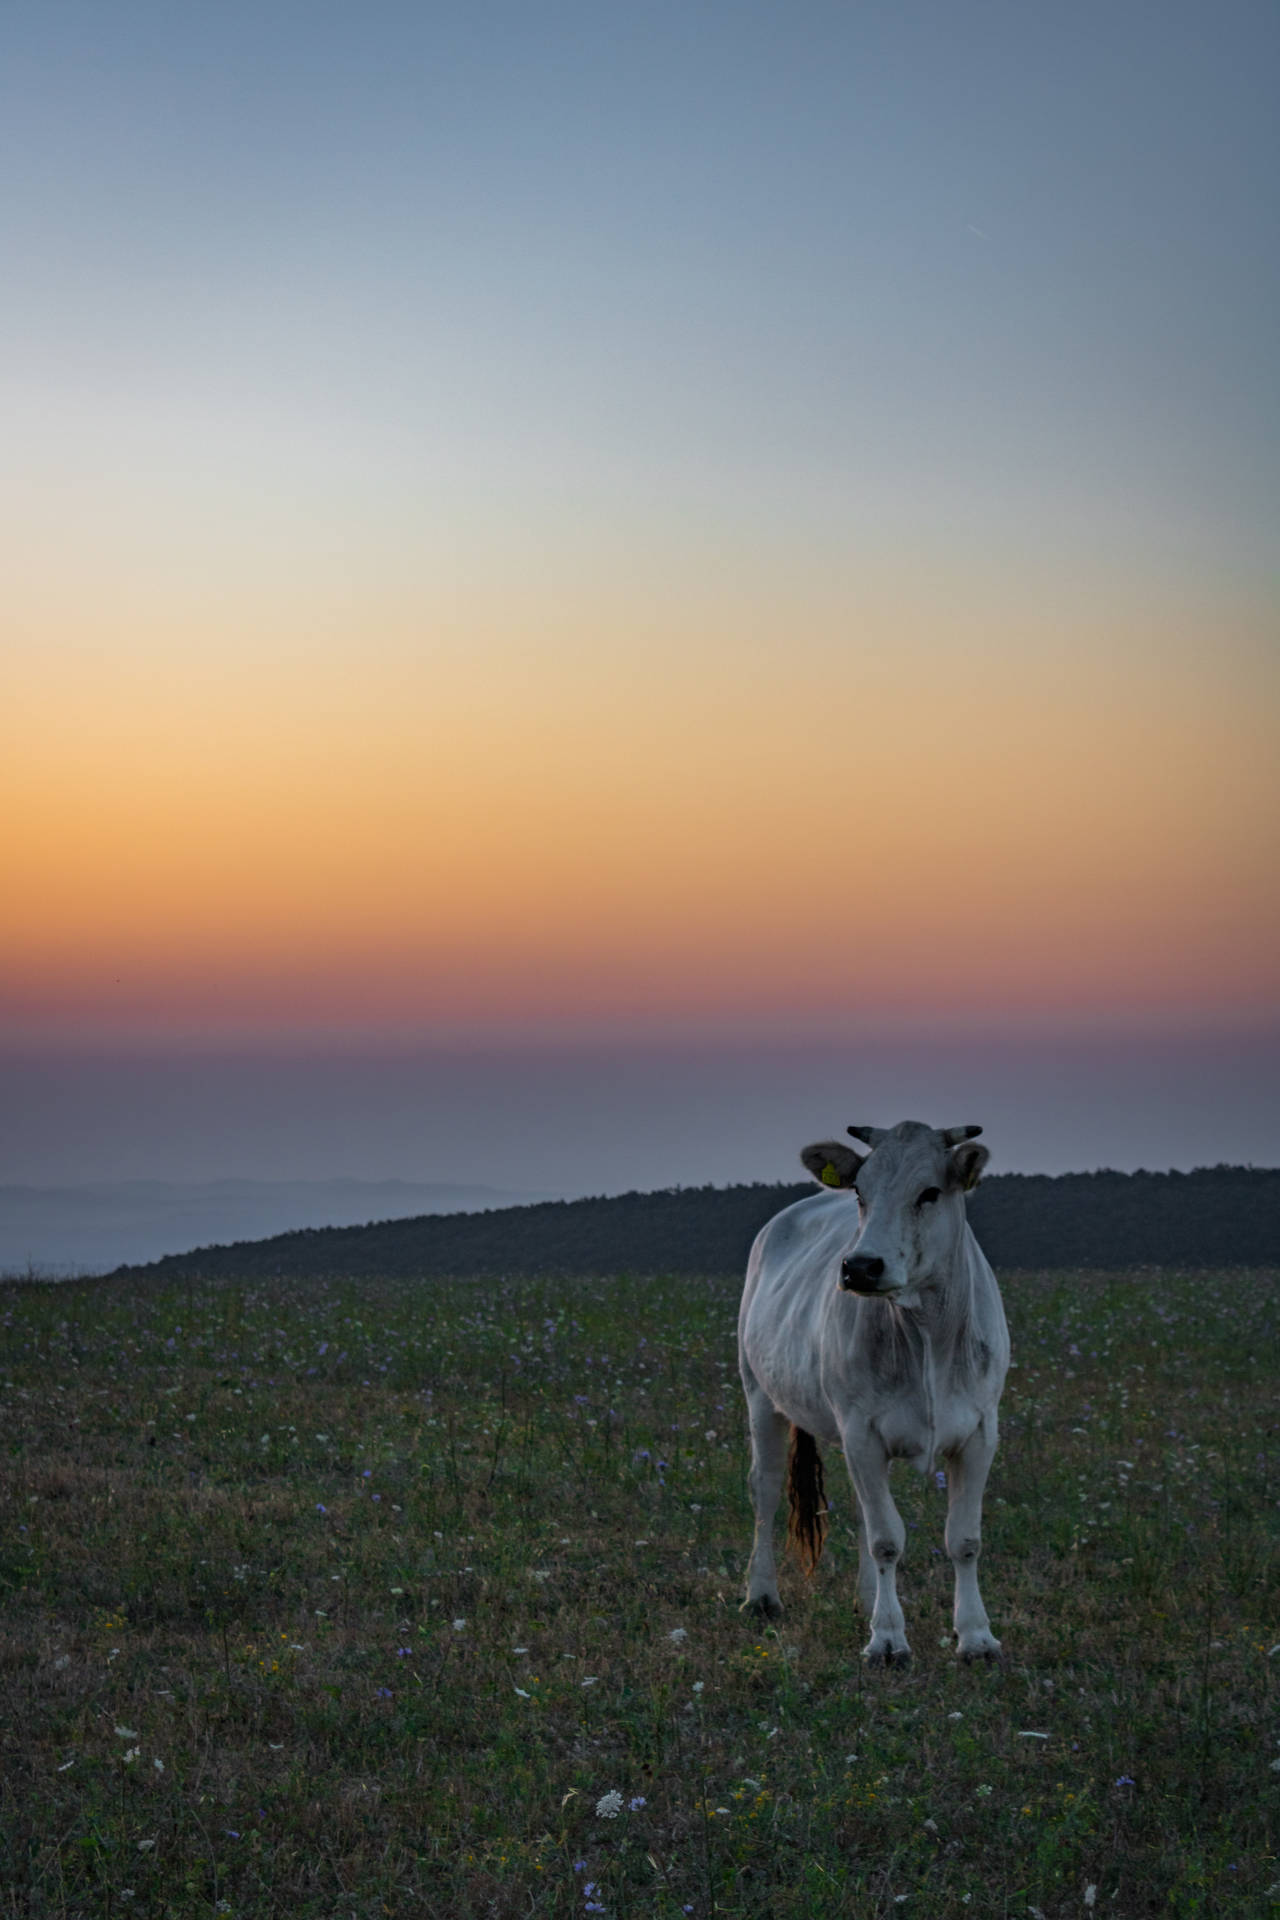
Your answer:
<point x="1213" y="1217"/>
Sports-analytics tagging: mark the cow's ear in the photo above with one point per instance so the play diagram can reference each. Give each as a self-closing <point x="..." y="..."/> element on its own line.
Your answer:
<point x="964" y="1166"/>
<point x="835" y="1165"/>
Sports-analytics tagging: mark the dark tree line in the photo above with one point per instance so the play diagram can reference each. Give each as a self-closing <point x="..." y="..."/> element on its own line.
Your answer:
<point x="1214" y="1217"/>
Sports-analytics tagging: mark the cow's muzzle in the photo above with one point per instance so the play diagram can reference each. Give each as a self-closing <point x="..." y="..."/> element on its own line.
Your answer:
<point x="862" y="1273"/>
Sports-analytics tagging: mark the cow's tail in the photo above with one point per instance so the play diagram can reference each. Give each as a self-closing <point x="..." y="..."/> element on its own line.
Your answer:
<point x="807" y="1526"/>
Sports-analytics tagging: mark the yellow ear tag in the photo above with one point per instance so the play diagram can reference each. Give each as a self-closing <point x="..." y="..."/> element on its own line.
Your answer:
<point x="972" y="1181"/>
<point x="829" y="1176"/>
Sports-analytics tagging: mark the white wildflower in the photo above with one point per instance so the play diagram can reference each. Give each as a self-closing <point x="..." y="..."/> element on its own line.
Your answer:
<point x="459" y="1626"/>
<point x="1090" y="1893"/>
<point x="158" y="1765"/>
<point x="609" y="1805"/>
<point x="131" y="1755"/>
<point x="127" y="1733"/>
<point x="678" y="1634"/>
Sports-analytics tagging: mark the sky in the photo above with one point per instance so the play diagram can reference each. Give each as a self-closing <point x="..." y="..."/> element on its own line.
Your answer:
<point x="627" y="556"/>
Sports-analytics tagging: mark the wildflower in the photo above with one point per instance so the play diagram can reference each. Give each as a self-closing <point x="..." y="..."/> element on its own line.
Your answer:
<point x="697" y="1686"/>
<point x="609" y="1805"/>
<point x="132" y="1755"/>
<point x="579" y="1866"/>
<point x="145" y="1846"/>
<point x="459" y="1626"/>
<point x="984" y="1790"/>
<point x="634" y="1806"/>
<point x="1125" y="1781"/>
<point x="678" y="1634"/>
<point x="158" y="1765"/>
<point x="320" y="1507"/>
<point x="127" y="1733"/>
<point x="1090" y="1893"/>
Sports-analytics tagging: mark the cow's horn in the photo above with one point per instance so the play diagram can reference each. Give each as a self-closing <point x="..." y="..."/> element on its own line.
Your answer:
<point x="871" y="1135"/>
<point x="952" y="1136"/>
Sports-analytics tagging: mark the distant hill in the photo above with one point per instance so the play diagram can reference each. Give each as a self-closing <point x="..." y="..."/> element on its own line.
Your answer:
<point x="1214" y="1217"/>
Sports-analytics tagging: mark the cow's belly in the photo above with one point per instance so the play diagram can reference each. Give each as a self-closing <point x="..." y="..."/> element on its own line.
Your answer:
<point x="794" y="1393"/>
<point x="908" y="1432"/>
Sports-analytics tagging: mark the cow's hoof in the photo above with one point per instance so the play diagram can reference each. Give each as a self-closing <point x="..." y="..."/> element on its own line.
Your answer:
<point x="992" y="1656"/>
<point x="886" y="1655"/>
<point x="763" y="1607"/>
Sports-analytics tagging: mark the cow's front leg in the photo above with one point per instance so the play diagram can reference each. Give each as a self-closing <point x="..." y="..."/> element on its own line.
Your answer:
<point x="770" y="1431"/>
<point x="967" y="1471"/>
<point x="885" y="1537"/>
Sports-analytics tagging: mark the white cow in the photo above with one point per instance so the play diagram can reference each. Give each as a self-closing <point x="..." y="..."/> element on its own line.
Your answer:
<point x="871" y="1319"/>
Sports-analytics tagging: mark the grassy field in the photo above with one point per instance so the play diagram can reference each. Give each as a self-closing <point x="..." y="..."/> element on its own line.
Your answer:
<point x="376" y="1598"/>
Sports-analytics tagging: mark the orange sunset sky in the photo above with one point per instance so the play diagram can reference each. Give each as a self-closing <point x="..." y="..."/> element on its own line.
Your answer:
<point x="753" y="526"/>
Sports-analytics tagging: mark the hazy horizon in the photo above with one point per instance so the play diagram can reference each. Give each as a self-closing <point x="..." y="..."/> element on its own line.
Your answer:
<point x="574" y="1119"/>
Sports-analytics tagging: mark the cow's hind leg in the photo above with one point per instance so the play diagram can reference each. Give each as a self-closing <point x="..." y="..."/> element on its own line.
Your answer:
<point x="879" y="1551"/>
<point x="967" y="1471"/>
<point x="769" y="1434"/>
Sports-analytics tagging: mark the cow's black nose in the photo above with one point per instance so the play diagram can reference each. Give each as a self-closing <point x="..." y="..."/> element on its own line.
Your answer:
<point x="859" y="1271"/>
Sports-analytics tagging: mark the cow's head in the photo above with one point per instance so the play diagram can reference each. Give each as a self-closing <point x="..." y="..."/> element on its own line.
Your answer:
<point x="910" y="1189"/>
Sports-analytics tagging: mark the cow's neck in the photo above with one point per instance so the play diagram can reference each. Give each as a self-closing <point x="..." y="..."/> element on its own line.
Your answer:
<point x="945" y="1305"/>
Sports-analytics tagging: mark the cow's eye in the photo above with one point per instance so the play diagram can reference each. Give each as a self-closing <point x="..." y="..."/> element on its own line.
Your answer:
<point x="928" y="1197"/>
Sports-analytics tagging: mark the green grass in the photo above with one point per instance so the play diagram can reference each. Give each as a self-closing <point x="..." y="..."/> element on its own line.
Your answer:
<point x="390" y="1581"/>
